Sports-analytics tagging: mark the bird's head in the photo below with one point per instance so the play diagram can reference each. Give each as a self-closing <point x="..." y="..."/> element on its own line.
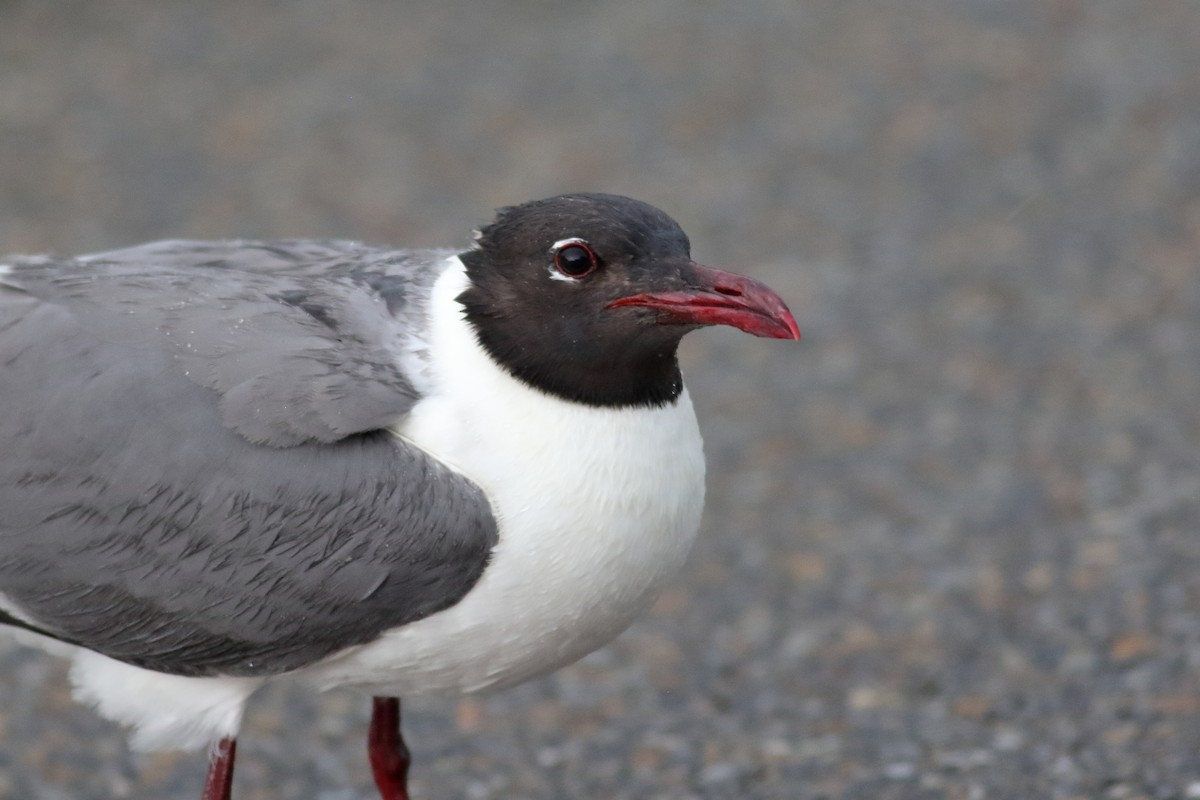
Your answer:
<point x="586" y="296"/>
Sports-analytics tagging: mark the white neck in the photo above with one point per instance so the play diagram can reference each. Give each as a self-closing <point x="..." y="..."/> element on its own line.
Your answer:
<point x="597" y="508"/>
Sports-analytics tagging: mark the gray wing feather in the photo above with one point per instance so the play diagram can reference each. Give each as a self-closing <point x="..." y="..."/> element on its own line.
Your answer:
<point x="141" y="514"/>
<point x="299" y="339"/>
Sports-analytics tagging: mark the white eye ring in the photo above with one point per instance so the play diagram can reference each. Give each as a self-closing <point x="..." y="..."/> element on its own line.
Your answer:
<point x="572" y="260"/>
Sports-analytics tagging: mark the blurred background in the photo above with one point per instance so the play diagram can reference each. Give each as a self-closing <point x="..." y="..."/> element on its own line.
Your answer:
<point x="951" y="548"/>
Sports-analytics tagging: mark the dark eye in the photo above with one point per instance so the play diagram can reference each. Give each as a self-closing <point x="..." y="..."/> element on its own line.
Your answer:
<point x="574" y="259"/>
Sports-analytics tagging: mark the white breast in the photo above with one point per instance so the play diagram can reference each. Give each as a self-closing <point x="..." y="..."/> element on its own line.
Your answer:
<point x="597" y="508"/>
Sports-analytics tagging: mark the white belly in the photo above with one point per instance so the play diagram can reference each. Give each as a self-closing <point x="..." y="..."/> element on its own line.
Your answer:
<point x="597" y="508"/>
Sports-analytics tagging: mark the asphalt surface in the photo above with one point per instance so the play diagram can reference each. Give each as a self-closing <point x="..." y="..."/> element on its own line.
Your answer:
<point x="951" y="548"/>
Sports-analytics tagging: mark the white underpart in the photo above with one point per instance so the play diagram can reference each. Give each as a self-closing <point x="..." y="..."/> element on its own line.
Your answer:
<point x="166" y="712"/>
<point x="597" y="507"/>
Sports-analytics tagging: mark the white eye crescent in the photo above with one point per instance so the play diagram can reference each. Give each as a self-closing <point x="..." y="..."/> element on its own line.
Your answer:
<point x="573" y="259"/>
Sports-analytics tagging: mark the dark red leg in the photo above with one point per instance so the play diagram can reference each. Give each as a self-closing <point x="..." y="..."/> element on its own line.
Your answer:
<point x="385" y="746"/>
<point x="219" y="783"/>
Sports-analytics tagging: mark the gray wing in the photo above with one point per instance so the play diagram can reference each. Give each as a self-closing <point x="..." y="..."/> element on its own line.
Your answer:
<point x="193" y="479"/>
<point x="302" y="340"/>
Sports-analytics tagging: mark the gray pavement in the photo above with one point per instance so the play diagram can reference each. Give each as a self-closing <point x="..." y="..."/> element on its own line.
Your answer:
<point x="951" y="547"/>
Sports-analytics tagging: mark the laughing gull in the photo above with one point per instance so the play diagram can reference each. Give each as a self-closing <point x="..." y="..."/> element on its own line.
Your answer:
<point x="407" y="471"/>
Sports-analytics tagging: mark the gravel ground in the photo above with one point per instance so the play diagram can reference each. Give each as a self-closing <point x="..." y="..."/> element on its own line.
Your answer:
<point x="951" y="544"/>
